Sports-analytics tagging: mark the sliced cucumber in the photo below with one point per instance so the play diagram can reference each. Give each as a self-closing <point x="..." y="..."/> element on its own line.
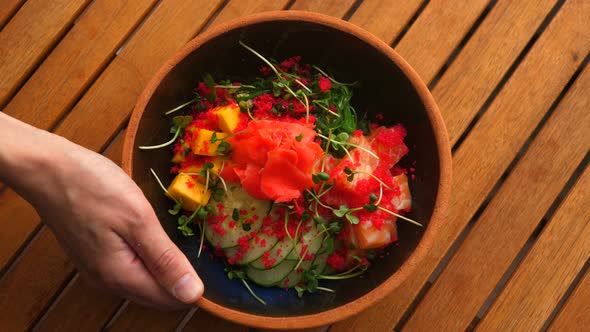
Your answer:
<point x="321" y="261"/>
<point x="257" y="246"/>
<point x="311" y="239"/>
<point x="278" y="253"/>
<point x="220" y="234"/>
<point x="296" y="275"/>
<point x="272" y="276"/>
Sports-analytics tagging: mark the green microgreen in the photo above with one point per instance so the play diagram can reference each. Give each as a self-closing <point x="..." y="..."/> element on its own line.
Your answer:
<point x="197" y="98"/>
<point x="179" y="123"/>
<point x="239" y="274"/>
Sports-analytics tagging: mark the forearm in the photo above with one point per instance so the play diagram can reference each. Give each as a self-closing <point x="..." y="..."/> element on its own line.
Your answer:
<point x="27" y="158"/>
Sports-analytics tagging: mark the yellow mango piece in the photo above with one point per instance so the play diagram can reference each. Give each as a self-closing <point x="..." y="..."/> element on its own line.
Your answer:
<point x="196" y="168"/>
<point x="202" y="143"/>
<point x="228" y="116"/>
<point x="191" y="192"/>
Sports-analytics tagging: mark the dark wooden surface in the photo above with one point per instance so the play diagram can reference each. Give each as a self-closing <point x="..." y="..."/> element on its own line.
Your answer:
<point x="511" y="79"/>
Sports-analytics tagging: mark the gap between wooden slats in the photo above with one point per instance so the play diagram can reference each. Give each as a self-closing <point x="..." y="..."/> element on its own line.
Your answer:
<point x="493" y="159"/>
<point x="510" y="219"/>
<point x="7" y="10"/>
<point x="30" y="36"/>
<point x="557" y="256"/>
<point x="575" y="313"/>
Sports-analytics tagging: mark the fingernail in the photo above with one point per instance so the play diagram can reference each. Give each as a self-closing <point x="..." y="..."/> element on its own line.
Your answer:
<point x="187" y="288"/>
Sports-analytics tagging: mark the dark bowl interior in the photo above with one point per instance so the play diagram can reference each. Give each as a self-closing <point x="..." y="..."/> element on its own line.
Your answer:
<point x="383" y="89"/>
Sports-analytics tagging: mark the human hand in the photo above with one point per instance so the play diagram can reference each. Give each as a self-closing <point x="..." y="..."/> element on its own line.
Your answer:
<point x="102" y="219"/>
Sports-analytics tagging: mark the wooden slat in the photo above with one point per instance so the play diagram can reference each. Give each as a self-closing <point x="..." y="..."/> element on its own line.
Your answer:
<point x="437" y="32"/>
<point x="25" y="294"/>
<point x="575" y="314"/>
<point x="332" y="8"/>
<point x="485" y="59"/>
<point x="86" y="49"/>
<point x="171" y="25"/>
<point x="482" y="158"/>
<point x="235" y="9"/>
<point x="29" y="35"/>
<point x="88" y="310"/>
<point x="202" y="321"/>
<point x="510" y="218"/>
<point x="547" y="271"/>
<point x="7" y="10"/>
<point x="137" y="318"/>
<point x="385" y="18"/>
<point x="21" y="218"/>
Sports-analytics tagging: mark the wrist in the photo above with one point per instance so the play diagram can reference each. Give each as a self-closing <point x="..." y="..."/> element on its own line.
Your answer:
<point x="28" y="159"/>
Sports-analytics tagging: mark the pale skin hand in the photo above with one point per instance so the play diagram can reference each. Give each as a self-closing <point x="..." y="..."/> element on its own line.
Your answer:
<point x="98" y="214"/>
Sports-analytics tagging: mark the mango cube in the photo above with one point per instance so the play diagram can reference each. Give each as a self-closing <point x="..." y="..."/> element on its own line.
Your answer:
<point x="228" y="116"/>
<point x="194" y="169"/>
<point x="191" y="192"/>
<point x="202" y="144"/>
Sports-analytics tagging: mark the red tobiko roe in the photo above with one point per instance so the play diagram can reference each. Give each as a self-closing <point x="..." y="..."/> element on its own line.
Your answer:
<point x="324" y="83"/>
<point x="274" y="160"/>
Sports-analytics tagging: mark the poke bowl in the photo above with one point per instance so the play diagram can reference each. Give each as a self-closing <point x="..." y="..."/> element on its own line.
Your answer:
<point x="298" y="60"/>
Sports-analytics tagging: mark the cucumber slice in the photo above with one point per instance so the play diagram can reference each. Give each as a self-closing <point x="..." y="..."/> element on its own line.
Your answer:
<point x="278" y="253"/>
<point x="220" y="234"/>
<point x="295" y="276"/>
<point x="272" y="276"/>
<point x="311" y="239"/>
<point x="257" y="246"/>
<point x="321" y="261"/>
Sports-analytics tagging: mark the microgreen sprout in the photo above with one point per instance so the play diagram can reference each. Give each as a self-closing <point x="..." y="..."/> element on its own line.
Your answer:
<point x="179" y="123"/>
<point x="197" y="98"/>
<point x="239" y="274"/>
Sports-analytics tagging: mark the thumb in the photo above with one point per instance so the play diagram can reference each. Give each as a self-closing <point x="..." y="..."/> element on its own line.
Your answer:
<point x="165" y="261"/>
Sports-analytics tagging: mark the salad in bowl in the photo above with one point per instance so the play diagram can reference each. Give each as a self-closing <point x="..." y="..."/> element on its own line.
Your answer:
<point x="282" y="180"/>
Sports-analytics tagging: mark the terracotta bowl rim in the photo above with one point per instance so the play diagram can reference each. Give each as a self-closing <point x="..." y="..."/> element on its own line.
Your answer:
<point x="443" y="150"/>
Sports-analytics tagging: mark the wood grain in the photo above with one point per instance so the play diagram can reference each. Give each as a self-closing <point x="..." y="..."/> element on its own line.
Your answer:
<point x="332" y="8"/>
<point x="29" y="35"/>
<point x="385" y="18"/>
<point x="88" y="310"/>
<point x="487" y="56"/>
<point x="547" y="271"/>
<point x="21" y="218"/>
<point x="26" y="294"/>
<point x="437" y="32"/>
<point x="575" y="314"/>
<point x="510" y="218"/>
<point x="86" y="49"/>
<point x="138" y="318"/>
<point x="235" y="9"/>
<point x="7" y="10"/>
<point x="482" y="158"/>
<point x="203" y="321"/>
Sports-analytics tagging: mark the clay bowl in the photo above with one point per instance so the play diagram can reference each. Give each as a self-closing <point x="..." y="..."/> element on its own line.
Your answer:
<point x="388" y="86"/>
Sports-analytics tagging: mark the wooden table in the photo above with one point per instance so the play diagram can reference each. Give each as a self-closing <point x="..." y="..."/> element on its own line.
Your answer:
<point x="511" y="79"/>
